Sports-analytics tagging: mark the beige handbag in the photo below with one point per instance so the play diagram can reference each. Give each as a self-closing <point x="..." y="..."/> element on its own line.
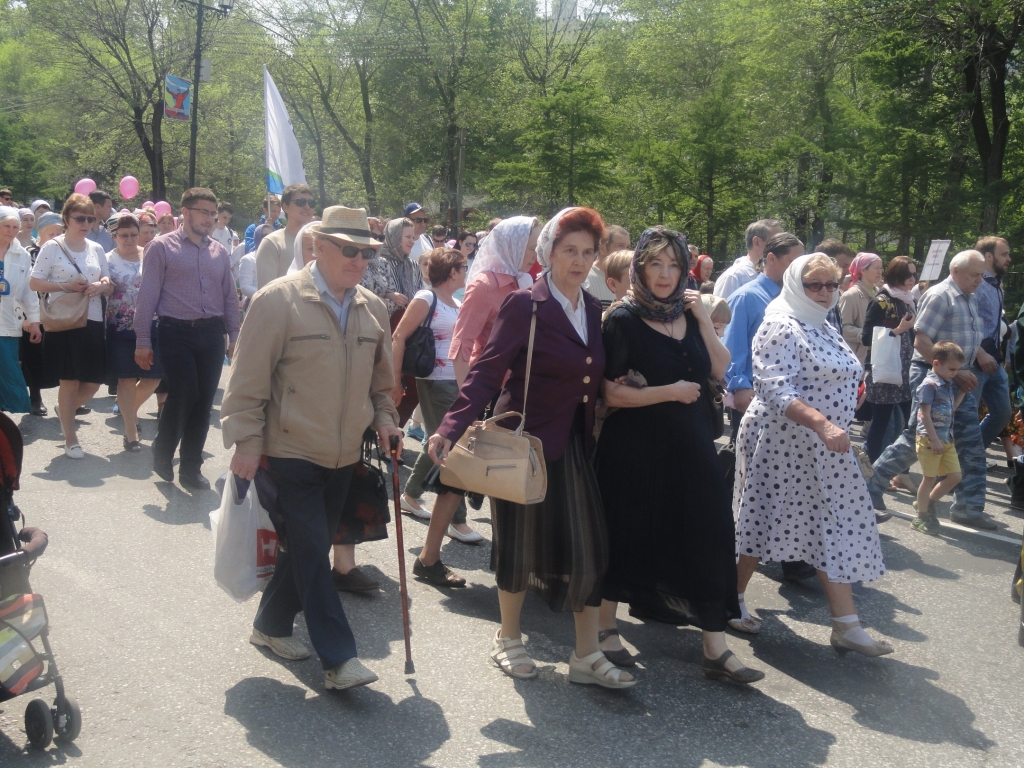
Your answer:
<point x="65" y="310"/>
<point x="507" y="464"/>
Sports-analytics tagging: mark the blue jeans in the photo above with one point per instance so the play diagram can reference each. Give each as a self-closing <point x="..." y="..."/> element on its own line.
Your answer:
<point x="994" y="389"/>
<point x="311" y="500"/>
<point x="969" y="495"/>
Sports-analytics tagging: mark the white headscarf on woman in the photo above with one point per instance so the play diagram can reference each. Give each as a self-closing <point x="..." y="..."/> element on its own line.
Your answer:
<point x="793" y="301"/>
<point x="297" y="261"/>
<point x="9" y="212"/>
<point x="546" y="241"/>
<point x="502" y="251"/>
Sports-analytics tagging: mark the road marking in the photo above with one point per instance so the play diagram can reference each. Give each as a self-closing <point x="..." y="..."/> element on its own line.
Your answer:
<point x="964" y="529"/>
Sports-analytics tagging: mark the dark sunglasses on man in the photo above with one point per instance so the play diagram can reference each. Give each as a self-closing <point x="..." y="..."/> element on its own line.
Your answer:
<point x="420" y="219"/>
<point x="350" y="252"/>
<point x="303" y="202"/>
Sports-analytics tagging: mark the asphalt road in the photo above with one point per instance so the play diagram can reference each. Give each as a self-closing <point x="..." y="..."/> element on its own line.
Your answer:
<point x="157" y="655"/>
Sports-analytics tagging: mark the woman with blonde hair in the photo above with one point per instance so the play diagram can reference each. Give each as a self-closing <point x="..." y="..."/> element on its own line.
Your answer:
<point x="799" y="492"/>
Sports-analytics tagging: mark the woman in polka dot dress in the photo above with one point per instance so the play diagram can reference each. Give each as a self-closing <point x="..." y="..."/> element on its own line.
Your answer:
<point x="799" y="493"/>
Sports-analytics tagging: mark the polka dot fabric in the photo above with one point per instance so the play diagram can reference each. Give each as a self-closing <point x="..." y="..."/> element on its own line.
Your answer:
<point x="794" y="499"/>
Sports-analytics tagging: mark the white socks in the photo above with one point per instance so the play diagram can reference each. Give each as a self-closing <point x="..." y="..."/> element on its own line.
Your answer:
<point x="744" y="613"/>
<point x="850" y="628"/>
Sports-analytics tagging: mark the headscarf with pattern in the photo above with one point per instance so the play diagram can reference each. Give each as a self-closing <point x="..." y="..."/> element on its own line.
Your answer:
<point x="639" y="300"/>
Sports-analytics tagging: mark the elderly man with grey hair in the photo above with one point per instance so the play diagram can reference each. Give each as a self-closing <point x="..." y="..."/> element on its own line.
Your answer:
<point x="947" y="312"/>
<point x="744" y="269"/>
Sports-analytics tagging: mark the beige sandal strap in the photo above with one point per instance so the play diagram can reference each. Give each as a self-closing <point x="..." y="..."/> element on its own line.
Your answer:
<point x="600" y="666"/>
<point x="512" y="654"/>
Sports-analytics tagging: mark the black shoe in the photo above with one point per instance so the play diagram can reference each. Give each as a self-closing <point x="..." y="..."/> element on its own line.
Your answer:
<point x="353" y="581"/>
<point x="193" y="480"/>
<point x="38" y="409"/>
<point x="83" y="410"/>
<point x="475" y="500"/>
<point x="980" y="522"/>
<point x="715" y="669"/>
<point x="798" y="570"/>
<point x="164" y="470"/>
<point x="877" y="501"/>
<point x="438" y="574"/>
<point x="881" y="517"/>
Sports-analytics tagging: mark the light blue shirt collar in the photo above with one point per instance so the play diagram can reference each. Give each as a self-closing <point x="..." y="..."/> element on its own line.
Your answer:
<point x="340" y="308"/>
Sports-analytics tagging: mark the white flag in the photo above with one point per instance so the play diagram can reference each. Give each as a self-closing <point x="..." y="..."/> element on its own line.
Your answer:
<point x="284" y="161"/>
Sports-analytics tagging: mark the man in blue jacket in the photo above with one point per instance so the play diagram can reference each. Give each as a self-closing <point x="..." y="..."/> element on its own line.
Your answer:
<point x="272" y="202"/>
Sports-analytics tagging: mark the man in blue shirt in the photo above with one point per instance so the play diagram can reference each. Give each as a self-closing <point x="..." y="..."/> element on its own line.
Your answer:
<point x="272" y="202"/>
<point x="748" y="304"/>
<point x="993" y="382"/>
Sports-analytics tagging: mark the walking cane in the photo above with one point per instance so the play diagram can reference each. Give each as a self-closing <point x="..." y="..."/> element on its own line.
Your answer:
<point x="395" y="443"/>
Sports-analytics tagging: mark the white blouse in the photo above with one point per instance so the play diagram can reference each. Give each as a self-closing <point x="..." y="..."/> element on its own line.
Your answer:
<point x="54" y="265"/>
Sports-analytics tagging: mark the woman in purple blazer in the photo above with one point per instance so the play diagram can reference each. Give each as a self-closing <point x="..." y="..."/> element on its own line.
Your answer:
<point x="558" y="548"/>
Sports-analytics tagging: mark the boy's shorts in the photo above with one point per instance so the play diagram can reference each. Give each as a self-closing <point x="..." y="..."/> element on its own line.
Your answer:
<point x="937" y="466"/>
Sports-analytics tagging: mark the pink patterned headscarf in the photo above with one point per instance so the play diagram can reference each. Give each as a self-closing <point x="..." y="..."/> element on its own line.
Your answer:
<point x="860" y="263"/>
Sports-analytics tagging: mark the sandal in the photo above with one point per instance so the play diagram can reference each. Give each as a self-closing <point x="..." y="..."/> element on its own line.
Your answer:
<point x="715" y="668"/>
<point x="132" y="446"/>
<point x="748" y="626"/>
<point x="620" y="657"/>
<point x="508" y="654"/>
<point x="596" y="669"/>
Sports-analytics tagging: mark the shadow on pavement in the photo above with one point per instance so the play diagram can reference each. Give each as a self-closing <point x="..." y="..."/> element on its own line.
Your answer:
<point x="358" y="727"/>
<point x="888" y="695"/>
<point x="183" y="508"/>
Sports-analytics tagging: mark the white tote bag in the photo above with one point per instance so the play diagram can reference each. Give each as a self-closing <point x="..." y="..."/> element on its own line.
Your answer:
<point x="886" y="366"/>
<point x="244" y="540"/>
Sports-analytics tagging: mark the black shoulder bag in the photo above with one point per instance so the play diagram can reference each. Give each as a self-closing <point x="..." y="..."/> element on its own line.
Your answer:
<point x="420" y="350"/>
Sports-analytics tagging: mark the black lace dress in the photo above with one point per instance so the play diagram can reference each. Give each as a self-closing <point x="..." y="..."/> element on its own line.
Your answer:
<point x="670" y="524"/>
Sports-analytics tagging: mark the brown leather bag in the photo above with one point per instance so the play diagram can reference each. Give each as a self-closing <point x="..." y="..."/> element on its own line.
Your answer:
<point x="503" y="463"/>
<point x="64" y="310"/>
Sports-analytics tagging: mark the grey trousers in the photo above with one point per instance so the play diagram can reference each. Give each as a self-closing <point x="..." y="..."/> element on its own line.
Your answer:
<point x="436" y="397"/>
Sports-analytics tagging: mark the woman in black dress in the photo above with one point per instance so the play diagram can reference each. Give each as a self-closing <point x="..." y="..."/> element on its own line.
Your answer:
<point x="672" y="543"/>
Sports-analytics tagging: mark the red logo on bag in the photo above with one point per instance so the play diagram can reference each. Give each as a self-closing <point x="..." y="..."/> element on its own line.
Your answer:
<point x="266" y="553"/>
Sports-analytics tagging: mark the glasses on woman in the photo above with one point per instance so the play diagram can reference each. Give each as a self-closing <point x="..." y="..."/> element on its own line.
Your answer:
<point x="816" y="286"/>
<point x="83" y="219"/>
<point x="460" y="266"/>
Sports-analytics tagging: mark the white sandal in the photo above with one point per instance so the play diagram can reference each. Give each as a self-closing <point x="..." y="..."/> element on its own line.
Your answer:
<point x="596" y="669"/>
<point x="748" y="626"/>
<point x="508" y="654"/>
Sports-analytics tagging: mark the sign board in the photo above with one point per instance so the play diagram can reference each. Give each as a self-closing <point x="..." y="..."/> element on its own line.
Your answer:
<point x="177" y="98"/>
<point x="933" y="262"/>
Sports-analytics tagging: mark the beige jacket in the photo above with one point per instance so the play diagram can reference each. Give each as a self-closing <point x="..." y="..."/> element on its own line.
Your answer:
<point x="853" y="306"/>
<point x="300" y="389"/>
<point x="274" y="256"/>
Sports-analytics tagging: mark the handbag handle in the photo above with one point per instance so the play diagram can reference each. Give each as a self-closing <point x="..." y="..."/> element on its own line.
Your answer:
<point x="60" y="245"/>
<point x="529" y="364"/>
<point x="430" y="315"/>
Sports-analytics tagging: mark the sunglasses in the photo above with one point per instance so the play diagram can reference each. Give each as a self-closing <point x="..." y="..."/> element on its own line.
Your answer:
<point x="421" y="219"/>
<point x="460" y="266"/>
<point x="350" y="252"/>
<point x="302" y="202"/>
<point x="83" y="219"/>
<point x="817" y="286"/>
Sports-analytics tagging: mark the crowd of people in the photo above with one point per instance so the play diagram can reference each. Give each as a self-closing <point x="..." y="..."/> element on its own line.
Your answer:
<point x="621" y="360"/>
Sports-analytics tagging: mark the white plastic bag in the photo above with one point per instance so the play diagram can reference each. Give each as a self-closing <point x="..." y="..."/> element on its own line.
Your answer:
<point x="244" y="540"/>
<point x="886" y="366"/>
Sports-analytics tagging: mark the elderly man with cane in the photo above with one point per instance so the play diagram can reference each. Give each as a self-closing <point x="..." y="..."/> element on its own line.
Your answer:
<point x="311" y="372"/>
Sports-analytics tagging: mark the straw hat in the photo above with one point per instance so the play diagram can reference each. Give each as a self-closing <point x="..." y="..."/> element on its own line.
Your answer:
<point x="344" y="226"/>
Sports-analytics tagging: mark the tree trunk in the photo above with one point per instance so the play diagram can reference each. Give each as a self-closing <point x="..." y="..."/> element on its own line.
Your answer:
<point x="991" y="145"/>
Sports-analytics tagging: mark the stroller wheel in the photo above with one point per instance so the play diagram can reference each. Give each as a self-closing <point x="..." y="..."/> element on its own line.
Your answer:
<point x="67" y="720"/>
<point x="38" y="724"/>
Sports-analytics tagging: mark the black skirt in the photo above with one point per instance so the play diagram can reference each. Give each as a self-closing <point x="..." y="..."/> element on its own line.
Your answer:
<point x="558" y="548"/>
<point x="121" y="357"/>
<point x="76" y="355"/>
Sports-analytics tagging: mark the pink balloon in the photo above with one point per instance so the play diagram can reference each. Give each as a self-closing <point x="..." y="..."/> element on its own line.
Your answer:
<point x="85" y="186"/>
<point x="161" y="208"/>
<point x="148" y="204"/>
<point x="125" y="210"/>
<point x="129" y="187"/>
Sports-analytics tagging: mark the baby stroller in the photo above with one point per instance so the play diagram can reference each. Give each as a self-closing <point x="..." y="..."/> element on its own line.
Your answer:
<point x="23" y="615"/>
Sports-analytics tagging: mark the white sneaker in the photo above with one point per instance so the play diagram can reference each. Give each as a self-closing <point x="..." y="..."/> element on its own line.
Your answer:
<point x="74" y="451"/>
<point x="466" y="538"/>
<point x="414" y="508"/>
<point x="351" y="674"/>
<point x="285" y="647"/>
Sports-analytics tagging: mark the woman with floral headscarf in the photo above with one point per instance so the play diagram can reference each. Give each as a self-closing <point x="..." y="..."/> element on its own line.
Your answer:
<point x="672" y="550"/>
<point x="396" y="279"/>
<point x="866" y="278"/>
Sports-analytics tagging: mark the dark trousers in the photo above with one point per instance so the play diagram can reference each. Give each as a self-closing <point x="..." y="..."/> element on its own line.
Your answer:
<point x="311" y="500"/>
<point x="881" y="417"/>
<point x="192" y="357"/>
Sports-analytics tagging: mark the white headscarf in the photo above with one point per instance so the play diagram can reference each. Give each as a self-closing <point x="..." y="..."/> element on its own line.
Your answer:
<point x="297" y="263"/>
<point x="9" y="212"/>
<point x="546" y="241"/>
<point x="502" y="251"/>
<point x="794" y="302"/>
